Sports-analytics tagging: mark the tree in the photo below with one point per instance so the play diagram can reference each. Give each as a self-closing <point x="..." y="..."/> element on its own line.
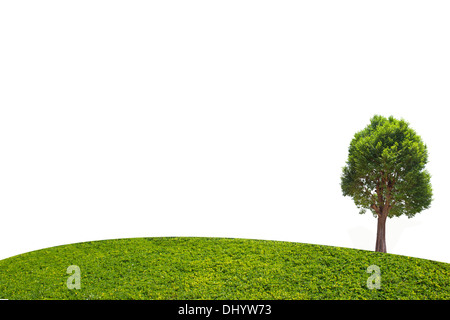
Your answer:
<point x="385" y="172"/>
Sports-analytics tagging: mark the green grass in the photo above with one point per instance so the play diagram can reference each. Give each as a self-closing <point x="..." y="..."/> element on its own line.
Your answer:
<point x="218" y="268"/>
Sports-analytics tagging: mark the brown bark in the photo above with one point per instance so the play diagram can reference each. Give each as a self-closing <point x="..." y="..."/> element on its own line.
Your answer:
<point x="380" y="245"/>
<point x="382" y="211"/>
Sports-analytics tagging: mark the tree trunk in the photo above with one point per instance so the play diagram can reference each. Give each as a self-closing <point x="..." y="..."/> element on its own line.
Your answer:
<point x="381" y="233"/>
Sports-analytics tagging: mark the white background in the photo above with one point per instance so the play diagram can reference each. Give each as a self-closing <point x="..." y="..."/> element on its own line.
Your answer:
<point x="213" y="118"/>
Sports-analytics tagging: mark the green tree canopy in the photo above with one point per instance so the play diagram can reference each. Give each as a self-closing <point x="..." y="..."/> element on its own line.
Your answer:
<point x="385" y="170"/>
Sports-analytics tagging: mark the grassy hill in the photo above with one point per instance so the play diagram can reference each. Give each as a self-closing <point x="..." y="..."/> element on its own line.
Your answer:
<point x="217" y="268"/>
